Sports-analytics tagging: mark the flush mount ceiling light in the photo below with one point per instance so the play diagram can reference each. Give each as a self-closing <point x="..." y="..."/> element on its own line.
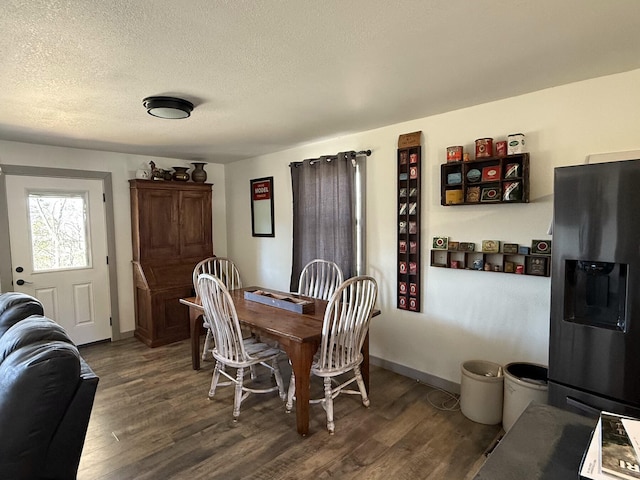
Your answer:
<point x="167" y="107"/>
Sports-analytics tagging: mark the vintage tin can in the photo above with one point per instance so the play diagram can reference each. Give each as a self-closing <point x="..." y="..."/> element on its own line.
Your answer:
<point x="454" y="154"/>
<point x="512" y="170"/>
<point x="484" y="147"/>
<point x="512" y="192"/>
<point x="515" y="143"/>
<point x="501" y="148"/>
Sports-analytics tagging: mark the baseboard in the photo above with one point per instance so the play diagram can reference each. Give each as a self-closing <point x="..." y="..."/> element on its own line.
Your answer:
<point x="422" y="377"/>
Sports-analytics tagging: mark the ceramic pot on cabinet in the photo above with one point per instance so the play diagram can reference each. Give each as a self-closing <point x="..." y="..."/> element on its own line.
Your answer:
<point x="180" y="174"/>
<point x="199" y="175"/>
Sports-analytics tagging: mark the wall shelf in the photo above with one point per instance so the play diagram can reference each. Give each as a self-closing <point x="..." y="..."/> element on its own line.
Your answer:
<point x="408" y="222"/>
<point x="487" y="180"/>
<point x="530" y="264"/>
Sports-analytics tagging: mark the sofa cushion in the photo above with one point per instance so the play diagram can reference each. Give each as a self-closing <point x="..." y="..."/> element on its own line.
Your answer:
<point x="36" y="330"/>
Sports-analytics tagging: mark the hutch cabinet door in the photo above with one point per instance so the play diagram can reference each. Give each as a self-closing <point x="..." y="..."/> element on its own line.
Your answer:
<point x="159" y="226"/>
<point x="195" y="216"/>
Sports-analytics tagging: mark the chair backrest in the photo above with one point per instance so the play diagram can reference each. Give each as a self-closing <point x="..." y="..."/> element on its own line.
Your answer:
<point x="346" y="323"/>
<point x="319" y="279"/>
<point x="223" y="319"/>
<point x="220" y="267"/>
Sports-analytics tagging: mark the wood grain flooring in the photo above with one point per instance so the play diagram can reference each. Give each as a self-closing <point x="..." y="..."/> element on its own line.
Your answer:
<point x="152" y="419"/>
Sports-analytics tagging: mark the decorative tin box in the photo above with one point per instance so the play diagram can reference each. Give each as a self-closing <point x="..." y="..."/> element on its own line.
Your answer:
<point x="490" y="194"/>
<point x="454" y="178"/>
<point x="473" y="194"/>
<point x="541" y="246"/>
<point x="454" y="154"/>
<point x="515" y="143"/>
<point x="440" y="243"/>
<point x="453" y="196"/>
<point x="510" y="248"/>
<point x="490" y="246"/>
<point x="490" y="173"/>
<point x="484" y="147"/>
<point x="537" y="266"/>
<point x="467" y="246"/>
<point x="512" y="192"/>
<point x="512" y="170"/>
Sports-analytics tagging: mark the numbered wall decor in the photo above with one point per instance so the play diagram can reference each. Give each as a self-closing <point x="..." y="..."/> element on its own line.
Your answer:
<point x="408" y="222"/>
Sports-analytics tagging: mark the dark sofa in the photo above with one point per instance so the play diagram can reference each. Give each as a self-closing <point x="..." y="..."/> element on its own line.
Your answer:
<point x="46" y="394"/>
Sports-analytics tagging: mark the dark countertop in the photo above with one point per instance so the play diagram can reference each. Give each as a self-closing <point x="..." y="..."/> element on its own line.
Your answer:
<point x="544" y="443"/>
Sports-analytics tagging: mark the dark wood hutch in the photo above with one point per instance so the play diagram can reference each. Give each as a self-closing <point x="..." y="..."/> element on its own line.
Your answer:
<point x="171" y="226"/>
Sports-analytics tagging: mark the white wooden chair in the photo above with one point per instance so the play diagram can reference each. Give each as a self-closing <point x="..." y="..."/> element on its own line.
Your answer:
<point x="225" y="270"/>
<point x="230" y="350"/>
<point x="319" y="279"/>
<point x="346" y="323"/>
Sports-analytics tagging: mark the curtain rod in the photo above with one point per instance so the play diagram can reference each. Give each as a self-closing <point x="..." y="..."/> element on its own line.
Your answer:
<point x="350" y="154"/>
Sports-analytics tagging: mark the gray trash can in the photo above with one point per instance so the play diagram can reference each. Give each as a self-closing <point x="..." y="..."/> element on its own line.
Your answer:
<point x="481" y="391"/>
<point x="524" y="383"/>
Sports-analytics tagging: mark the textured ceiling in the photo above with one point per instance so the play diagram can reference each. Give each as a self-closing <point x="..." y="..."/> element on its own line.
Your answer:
<point x="268" y="75"/>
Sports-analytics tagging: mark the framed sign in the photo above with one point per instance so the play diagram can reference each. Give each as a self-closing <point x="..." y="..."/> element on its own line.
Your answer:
<point x="262" y="221"/>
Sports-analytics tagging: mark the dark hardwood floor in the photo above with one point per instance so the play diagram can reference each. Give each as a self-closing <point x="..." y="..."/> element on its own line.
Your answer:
<point x="152" y="419"/>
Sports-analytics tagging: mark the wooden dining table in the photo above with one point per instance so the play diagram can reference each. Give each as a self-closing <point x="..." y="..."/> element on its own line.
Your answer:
<point x="298" y="334"/>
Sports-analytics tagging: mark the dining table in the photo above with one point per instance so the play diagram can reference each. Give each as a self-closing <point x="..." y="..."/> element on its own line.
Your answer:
<point x="298" y="334"/>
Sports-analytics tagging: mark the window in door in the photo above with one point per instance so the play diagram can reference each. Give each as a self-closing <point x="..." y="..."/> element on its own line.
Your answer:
<point x="59" y="231"/>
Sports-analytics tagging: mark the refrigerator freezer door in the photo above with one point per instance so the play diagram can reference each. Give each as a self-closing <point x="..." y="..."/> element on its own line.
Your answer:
<point x="594" y="343"/>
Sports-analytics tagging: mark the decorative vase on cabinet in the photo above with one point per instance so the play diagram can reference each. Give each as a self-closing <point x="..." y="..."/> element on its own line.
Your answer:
<point x="180" y="174"/>
<point x="199" y="175"/>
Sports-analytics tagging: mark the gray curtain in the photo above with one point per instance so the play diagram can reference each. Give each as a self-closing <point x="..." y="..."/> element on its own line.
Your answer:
<point x="323" y="225"/>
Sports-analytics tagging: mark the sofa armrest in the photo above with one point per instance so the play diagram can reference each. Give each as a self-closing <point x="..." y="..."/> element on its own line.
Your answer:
<point x="46" y="396"/>
<point x="66" y="445"/>
<point x="37" y="382"/>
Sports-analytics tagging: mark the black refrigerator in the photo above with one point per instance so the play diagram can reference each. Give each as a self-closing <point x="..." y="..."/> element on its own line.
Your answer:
<point x="594" y="343"/>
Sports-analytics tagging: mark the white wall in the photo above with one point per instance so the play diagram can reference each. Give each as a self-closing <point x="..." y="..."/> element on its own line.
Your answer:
<point x="122" y="168"/>
<point x="466" y="315"/>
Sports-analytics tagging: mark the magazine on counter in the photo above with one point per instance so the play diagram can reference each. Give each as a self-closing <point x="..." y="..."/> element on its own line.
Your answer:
<point x="617" y="455"/>
<point x="612" y="453"/>
<point x="632" y="426"/>
<point x="590" y="466"/>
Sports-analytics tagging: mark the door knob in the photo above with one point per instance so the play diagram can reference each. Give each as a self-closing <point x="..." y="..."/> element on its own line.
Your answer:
<point x="22" y="282"/>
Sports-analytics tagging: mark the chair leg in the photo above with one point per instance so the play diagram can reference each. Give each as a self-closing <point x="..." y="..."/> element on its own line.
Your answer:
<point x="207" y="344"/>
<point x="214" y="380"/>
<point x="328" y="404"/>
<point x="291" y="392"/>
<point x="237" y="399"/>
<point x="360" y="382"/>
<point x="279" y="382"/>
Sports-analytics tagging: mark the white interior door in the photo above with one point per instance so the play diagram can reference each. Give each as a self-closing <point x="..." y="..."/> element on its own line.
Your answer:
<point x="58" y="240"/>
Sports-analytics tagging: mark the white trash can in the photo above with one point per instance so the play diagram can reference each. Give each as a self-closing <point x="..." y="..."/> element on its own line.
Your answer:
<point x="481" y="391"/>
<point x="524" y="383"/>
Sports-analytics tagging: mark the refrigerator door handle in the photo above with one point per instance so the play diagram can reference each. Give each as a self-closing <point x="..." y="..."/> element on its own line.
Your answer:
<point x="583" y="407"/>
